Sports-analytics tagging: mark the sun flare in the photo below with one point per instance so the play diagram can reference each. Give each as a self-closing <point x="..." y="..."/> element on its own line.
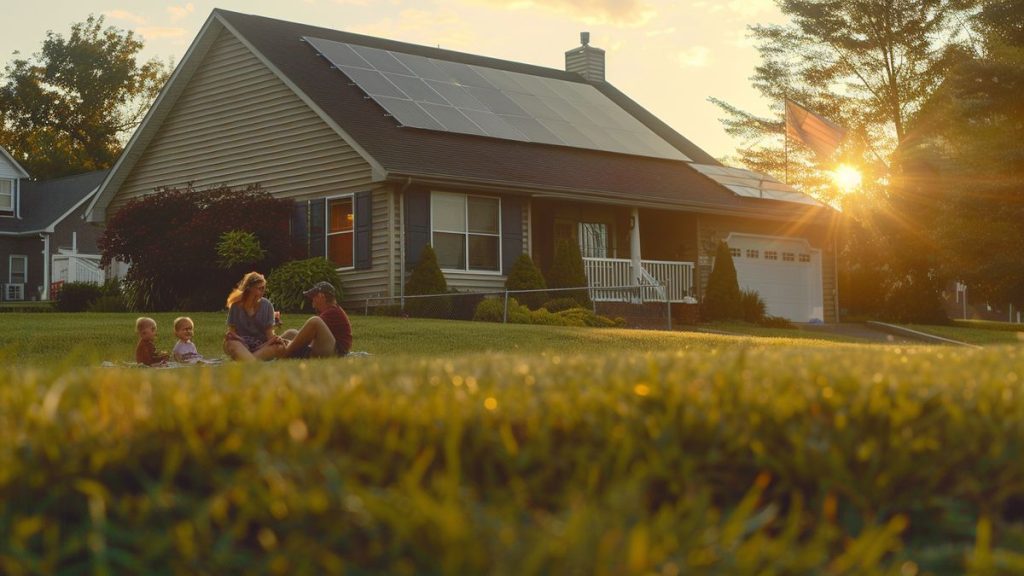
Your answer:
<point x="847" y="178"/>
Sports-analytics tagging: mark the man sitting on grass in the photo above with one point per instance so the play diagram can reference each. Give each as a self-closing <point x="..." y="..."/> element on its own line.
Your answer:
<point x="329" y="334"/>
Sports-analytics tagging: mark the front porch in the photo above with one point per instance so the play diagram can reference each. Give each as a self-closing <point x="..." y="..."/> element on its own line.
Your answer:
<point x="658" y="281"/>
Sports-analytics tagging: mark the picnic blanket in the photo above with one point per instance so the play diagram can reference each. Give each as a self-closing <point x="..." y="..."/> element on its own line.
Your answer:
<point x="170" y="364"/>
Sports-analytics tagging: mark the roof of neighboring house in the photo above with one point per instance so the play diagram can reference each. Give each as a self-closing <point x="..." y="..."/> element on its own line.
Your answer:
<point x="46" y="202"/>
<point x="462" y="159"/>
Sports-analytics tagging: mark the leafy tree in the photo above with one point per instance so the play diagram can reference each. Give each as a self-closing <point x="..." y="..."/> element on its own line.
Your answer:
<point x="170" y="240"/>
<point x="968" y="161"/>
<point x="723" y="300"/>
<point x="567" y="271"/>
<point x="526" y="276"/>
<point x="70" y="107"/>
<point x="868" y="64"/>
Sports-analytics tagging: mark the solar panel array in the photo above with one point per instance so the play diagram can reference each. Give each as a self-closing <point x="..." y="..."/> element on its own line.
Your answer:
<point x="752" y="184"/>
<point x="434" y="94"/>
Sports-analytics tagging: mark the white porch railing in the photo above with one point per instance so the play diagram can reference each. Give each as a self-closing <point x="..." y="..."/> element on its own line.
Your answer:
<point x="660" y="279"/>
<point x="77" y="268"/>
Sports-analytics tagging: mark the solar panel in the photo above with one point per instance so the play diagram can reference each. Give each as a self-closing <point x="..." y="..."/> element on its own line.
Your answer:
<point x="433" y="94"/>
<point x="750" y="184"/>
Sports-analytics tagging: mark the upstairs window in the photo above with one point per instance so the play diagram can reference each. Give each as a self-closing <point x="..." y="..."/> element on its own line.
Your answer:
<point x="466" y="231"/>
<point x="6" y="197"/>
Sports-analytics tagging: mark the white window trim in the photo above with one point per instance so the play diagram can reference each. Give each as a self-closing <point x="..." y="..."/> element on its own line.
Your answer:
<point x="465" y="215"/>
<point x="14" y="199"/>
<point x="327" y="229"/>
<point x="10" y="268"/>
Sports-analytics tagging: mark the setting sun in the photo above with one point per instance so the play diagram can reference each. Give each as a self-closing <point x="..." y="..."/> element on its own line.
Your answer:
<point x="846" y="178"/>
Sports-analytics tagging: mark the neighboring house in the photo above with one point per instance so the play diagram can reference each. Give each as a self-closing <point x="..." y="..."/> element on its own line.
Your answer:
<point x="44" y="238"/>
<point x="386" y="147"/>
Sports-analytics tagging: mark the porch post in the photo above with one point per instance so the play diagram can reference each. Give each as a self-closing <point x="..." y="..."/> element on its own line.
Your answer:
<point x="46" y="267"/>
<point x="634" y="245"/>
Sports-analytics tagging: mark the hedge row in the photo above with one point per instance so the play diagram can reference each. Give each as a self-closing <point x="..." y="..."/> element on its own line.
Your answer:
<point x="758" y="461"/>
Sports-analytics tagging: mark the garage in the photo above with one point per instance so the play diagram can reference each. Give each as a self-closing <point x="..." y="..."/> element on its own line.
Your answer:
<point x="786" y="272"/>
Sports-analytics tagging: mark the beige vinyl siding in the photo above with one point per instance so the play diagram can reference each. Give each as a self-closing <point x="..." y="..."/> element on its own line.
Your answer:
<point x="237" y="123"/>
<point x="373" y="283"/>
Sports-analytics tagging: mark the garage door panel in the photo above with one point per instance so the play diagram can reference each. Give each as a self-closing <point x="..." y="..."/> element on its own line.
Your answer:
<point x="790" y="288"/>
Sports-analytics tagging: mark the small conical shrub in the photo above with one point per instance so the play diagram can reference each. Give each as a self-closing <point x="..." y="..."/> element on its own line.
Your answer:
<point x="567" y="271"/>
<point x="526" y="276"/>
<point x="722" y="301"/>
<point x="427" y="278"/>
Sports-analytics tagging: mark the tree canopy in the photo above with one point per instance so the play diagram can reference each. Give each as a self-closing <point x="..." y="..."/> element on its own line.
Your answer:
<point x="70" y="107"/>
<point x="867" y="64"/>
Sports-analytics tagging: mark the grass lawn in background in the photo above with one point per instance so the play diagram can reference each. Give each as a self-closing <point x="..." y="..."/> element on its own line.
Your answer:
<point x="87" y="339"/>
<point x="973" y="332"/>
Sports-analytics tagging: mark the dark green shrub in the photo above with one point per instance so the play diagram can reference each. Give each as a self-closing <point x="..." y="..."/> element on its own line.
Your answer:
<point x="491" y="310"/>
<point x="526" y="276"/>
<point x="776" y="322"/>
<point x="463" y="306"/>
<point x="111" y="298"/>
<point x="77" y="296"/>
<point x="915" y="299"/>
<point x="754" y="307"/>
<point x="287" y="282"/>
<point x="567" y="271"/>
<point x="722" y="300"/>
<point x="427" y="279"/>
<point x="559" y="304"/>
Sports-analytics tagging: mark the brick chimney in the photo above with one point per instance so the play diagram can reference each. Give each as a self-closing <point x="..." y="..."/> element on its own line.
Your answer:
<point x="586" y="60"/>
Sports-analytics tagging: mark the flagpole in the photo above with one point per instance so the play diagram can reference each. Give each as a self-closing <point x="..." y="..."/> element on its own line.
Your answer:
<point x="785" y="138"/>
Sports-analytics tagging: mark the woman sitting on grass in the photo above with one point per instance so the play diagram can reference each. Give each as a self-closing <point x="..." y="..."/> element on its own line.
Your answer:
<point x="250" y="333"/>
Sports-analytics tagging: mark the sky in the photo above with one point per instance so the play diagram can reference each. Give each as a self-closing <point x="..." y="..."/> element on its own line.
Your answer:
<point x="670" y="56"/>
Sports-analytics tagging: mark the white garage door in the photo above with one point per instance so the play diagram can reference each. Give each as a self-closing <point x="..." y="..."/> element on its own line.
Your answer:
<point x="786" y="272"/>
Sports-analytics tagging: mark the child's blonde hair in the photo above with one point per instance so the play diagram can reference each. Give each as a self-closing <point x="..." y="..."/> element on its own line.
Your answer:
<point x="181" y="320"/>
<point x="143" y="321"/>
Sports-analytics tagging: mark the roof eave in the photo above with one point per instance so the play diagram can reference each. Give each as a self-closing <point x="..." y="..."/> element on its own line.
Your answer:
<point x="492" y="185"/>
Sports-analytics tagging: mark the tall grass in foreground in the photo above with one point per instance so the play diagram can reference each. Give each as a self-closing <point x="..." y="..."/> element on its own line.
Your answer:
<point x="751" y="460"/>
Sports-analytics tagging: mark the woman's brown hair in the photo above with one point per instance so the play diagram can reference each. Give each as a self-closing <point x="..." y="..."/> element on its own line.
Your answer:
<point x="248" y="281"/>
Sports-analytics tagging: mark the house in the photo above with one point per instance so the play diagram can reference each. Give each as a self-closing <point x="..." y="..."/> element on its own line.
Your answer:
<point x="386" y="147"/>
<point x="44" y="238"/>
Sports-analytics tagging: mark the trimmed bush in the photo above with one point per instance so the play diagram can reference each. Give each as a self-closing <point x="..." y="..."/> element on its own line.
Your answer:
<point x="754" y="307"/>
<point x="491" y="310"/>
<point x="559" y="304"/>
<point x="427" y="279"/>
<point x="239" y="248"/>
<point x="526" y="276"/>
<point x="77" y="296"/>
<point x="567" y="271"/>
<point x="777" y="322"/>
<point x="722" y="300"/>
<point x="287" y="282"/>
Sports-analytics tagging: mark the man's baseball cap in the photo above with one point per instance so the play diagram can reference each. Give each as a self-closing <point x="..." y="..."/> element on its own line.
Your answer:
<point x="320" y="288"/>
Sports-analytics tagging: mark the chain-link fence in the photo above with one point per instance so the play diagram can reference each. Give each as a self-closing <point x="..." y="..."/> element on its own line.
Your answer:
<point x="641" y="306"/>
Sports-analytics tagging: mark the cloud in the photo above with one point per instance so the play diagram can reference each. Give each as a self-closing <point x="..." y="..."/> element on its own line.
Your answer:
<point x="662" y="32"/>
<point x="750" y="7"/>
<point x="179" y="12"/>
<point x="351" y="2"/>
<point x="154" y="32"/>
<point x="125" y="16"/>
<point x="616" y="12"/>
<point x="447" y="29"/>
<point x="695" y="57"/>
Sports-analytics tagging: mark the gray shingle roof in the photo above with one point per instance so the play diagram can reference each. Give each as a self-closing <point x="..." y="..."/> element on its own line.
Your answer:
<point x="446" y="156"/>
<point x="44" y="202"/>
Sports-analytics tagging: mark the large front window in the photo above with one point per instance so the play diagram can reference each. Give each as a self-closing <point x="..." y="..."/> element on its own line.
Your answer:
<point x="6" y="196"/>
<point x="466" y="233"/>
<point x="340" y="232"/>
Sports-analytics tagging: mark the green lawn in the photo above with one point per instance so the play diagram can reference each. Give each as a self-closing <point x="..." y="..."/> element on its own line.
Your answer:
<point x="472" y="448"/>
<point x="981" y="334"/>
<point x="90" y="338"/>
